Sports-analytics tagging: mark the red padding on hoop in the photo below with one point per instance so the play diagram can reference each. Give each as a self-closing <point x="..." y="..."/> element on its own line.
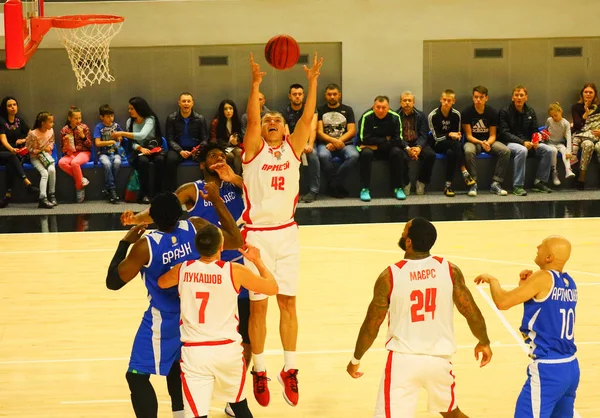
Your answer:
<point x="77" y="21"/>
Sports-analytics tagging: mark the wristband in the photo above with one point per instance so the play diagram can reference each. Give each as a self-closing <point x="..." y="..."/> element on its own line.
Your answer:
<point x="354" y="361"/>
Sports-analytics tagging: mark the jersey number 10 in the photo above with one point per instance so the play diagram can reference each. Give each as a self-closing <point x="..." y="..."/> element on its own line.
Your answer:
<point x="568" y="323"/>
<point x="422" y="304"/>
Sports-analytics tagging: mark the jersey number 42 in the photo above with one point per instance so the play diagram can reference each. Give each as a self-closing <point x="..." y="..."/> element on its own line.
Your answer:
<point x="278" y="182"/>
<point x="422" y="303"/>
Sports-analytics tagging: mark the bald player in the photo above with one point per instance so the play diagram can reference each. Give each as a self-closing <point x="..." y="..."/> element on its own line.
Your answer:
<point x="549" y="298"/>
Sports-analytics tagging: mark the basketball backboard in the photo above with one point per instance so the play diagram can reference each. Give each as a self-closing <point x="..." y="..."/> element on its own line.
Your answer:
<point x="22" y="30"/>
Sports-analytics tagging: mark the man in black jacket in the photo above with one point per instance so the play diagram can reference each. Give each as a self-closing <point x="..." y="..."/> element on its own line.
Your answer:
<point x="518" y="128"/>
<point x="414" y="133"/>
<point x="380" y="136"/>
<point x="186" y="130"/>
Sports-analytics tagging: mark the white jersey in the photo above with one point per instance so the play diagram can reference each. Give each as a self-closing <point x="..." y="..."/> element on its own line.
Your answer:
<point x="271" y="185"/>
<point x="421" y="312"/>
<point x="209" y="311"/>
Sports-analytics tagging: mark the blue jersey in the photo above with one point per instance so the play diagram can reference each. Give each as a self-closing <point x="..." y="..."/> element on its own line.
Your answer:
<point x="548" y="324"/>
<point x="166" y="251"/>
<point x="232" y="196"/>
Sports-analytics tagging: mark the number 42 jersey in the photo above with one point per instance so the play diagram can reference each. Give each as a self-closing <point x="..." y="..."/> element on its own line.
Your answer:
<point x="271" y="185"/>
<point x="421" y="311"/>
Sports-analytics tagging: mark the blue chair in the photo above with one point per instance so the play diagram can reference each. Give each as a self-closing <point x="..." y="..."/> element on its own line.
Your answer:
<point x="92" y="162"/>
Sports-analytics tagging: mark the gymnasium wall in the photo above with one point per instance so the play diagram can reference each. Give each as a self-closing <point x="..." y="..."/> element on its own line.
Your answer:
<point x="382" y="41"/>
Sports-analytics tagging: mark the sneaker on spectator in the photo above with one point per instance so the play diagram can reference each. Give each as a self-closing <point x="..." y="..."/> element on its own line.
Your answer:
<point x="497" y="189"/>
<point x="289" y="381"/>
<point x="473" y="190"/>
<point x="400" y="194"/>
<point x="309" y="197"/>
<point x="80" y="195"/>
<point x="228" y="411"/>
<point x="569" y="173"/>
<point x="261" y="387"/>
<point x="84" y="182"/>
<point x="469" y="181"/>
<point x="541" y="187"/>
<point x="420" y="188"/>
<point x="448" y="191"/>
<point x="555" y="178"/>
<point x="112" y="196"/>
<point x="365" y="196"/>
<point x="52" y="199"/>
<point x="519" y="191"/>
<point x="407" y="190"/>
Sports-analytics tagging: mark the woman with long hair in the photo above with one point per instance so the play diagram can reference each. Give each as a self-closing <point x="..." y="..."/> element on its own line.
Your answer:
<point x="586" y="130"/>
<point x="226" y="130"/>
<point x="13" y="134"/>
<point x="143" y="129"/>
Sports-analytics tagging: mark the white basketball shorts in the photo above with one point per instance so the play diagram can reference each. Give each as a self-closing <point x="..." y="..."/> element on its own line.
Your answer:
<point x="405" y="375"/>
<point x="280" y="251"/>
<point x="211" y="370"/>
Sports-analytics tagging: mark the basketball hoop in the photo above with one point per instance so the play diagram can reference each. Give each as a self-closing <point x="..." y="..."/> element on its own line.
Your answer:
<point x="87" y="41"/>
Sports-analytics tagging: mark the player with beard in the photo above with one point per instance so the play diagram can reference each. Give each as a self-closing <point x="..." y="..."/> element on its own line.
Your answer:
<point x="418" y="293"/>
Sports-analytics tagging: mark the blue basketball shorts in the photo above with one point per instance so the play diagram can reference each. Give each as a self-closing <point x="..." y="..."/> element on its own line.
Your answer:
<point x="157" y="344"/>
<point x="549" y="391"/>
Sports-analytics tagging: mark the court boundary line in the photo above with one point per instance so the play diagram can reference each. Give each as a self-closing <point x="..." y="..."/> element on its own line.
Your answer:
<point x="267" y="352"/>
<point x="509" y="327"/>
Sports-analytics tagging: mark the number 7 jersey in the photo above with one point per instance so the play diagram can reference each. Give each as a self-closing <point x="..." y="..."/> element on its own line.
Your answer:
<point x="271" y="185"/>
<point x="421" y="311"/>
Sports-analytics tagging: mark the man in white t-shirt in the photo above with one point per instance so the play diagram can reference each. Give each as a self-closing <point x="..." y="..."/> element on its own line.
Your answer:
<point x="418" y="293"/>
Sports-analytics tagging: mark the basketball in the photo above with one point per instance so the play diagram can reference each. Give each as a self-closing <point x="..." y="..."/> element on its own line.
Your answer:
<point x="282" y="52"/>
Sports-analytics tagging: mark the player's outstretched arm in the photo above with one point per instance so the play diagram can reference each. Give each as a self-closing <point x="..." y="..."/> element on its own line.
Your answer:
<point x="170" y="278"/>
<point x="304" y="127"/>
<point x="125" y="267"/>
<point x="376" y="313"/>
<point x="463" y="299"/>
<point x="252" y="139"/>
<point x="225" y="173"/>
<point x="534" y="284"/>
<point x="186" y="193"/>
<point x="242" y="276"/>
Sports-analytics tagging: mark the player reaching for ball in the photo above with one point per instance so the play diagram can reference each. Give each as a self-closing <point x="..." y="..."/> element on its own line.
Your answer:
<point x="271" y="162"/>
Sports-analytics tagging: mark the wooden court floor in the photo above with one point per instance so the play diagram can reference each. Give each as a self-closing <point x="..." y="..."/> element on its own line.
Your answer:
<point x="65" y="339"/>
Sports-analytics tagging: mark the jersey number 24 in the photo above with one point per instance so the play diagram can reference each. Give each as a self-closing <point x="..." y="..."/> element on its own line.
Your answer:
<point x="422" y="303"/>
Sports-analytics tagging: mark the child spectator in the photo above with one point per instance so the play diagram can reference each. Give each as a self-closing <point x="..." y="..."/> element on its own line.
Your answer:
<point x="108" y="149"/>
<point x="76" y="146"/>
<point x="40" y="143"/>
<point x="560" y="130"/>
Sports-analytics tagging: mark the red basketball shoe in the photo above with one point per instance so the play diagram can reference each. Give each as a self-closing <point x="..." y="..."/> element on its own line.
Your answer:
<point x="261" y="387"/>
<point x="289" y="381"/>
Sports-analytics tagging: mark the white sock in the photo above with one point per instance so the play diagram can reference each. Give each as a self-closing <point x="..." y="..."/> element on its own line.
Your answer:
<point x="259" y="362"/>
<point x="289" y="358"/>
<point x="178" y="414"/>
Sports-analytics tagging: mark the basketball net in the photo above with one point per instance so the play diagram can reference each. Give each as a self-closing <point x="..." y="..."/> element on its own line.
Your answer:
<point x="88" y="48"/>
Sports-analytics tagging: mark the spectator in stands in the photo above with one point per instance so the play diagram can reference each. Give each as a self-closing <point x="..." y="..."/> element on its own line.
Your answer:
<point x="40" y="143"/>
<point x="76" y="146"/>
<point x="380" y="137"/>
<point x="517" y="125"/>
<point x="108" y="149"/>
<point x="587" y="106"/>
<point x="263" y="109"/>
<point x="559" y="131"/>
<point x="414" y="133"/>
<point x="336" y="129"/>
<point x="480" y="123"/>
<point x="587" y="138"/>
<point x="226" y="130"/>
<point x="13" y="131"/>
<point x="143" y="130"/>
<point x="445" y="126"/>
<point x="185" y="130"/>
<point x="292" y="114"/>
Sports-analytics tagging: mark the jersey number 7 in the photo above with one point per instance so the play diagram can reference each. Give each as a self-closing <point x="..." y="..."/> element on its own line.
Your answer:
<point x="203" y="296"/>
<point x="422" y="303"/>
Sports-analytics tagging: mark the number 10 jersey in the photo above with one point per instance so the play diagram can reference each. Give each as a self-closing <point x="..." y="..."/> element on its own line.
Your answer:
<point x="421" y="311"/>
<point x="271" y="185"/>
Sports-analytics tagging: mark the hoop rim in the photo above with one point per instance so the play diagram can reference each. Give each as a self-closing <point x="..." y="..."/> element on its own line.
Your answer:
<point x="78" y="21"/>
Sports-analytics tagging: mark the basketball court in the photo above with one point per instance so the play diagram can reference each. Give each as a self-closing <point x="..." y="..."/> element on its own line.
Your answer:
<point x="66" y="339"/>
